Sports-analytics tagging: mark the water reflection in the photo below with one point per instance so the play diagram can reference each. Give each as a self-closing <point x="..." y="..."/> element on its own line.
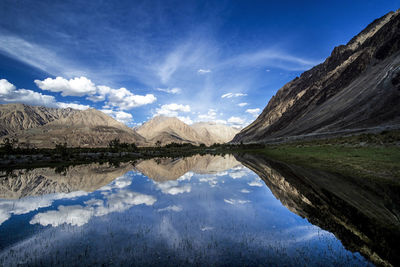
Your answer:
<point x="196" y="210"/>
<point x="364" y="214"/>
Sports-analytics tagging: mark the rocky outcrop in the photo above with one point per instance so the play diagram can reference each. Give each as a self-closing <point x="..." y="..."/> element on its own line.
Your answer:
<point x="356" y="88"/>
<point x="363" y="214"/>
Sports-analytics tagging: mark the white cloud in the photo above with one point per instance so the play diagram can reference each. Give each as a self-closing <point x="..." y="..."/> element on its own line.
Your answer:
<point x="203" y="71"/>
<point x="170" y="90"/>
<point x="253" y="111"/>
<point x="243" y="104"/>
<point x="210" y="116"/>
<point x="236" y="201"/>
<point x="230" y="95"/>
<point x="6" y="87"/>
<point x="10" y="94"/>
<point x="28" y="204"/>
<point x="212" y="180"/>
<point x="172" y="110"/>
<point x="102" y="91"/>
<point x="256" y="183"/>
<point x="171" y="208"/>
<point x="120" y="116"/>
<point x="76" y="215"/>
<point x="245" y="191"/>
<point x="73" y="87"/>
<point x="238" y="174"/>
<point x="126" y="100"/>
<point x="72" y="105"/>
<point x="185" y="119"/>
<point x="121" y="98"/>
<point x="173" y="188"/>
<point x="236" y="121"/>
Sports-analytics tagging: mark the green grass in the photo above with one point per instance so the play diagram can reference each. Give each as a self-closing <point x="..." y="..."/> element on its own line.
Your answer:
<point x="369" y="162"/>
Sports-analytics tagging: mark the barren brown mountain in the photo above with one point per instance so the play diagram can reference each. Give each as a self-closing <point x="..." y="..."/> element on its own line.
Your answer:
<point x="356" y="89"/>
<point x="87" y="128"/>
<point x="17" y="117"/>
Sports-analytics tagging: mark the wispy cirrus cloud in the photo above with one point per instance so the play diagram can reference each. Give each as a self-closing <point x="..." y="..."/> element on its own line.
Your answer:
<point x="174" y="90"/>
<point x="230" y="95"/>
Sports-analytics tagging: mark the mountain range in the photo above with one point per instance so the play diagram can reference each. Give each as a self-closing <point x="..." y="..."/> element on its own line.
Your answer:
<point x="42" y="127"/>
<point x="356" y="89"/>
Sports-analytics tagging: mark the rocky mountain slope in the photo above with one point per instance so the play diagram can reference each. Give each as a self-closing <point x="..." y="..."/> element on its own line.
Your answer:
<point x="357" y="88"/>
<point x="17" y="117"/>
<point x="169" y="129"/>
<point x="87" y="128"/>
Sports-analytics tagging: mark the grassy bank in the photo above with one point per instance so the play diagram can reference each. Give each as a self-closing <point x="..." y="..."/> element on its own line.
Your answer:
<point x="374" y="156"/>
<point x="369" y="162"/>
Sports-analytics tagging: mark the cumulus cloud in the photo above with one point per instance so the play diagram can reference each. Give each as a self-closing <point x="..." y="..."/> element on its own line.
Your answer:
<point x="120" y="116"/>
<point x="237" y="121"/>
<point x="230" y="95"/>
<point x="204" y="71"/>
<point x="10" y="94"/>
<point x="243" y="104"/>
<point x="74" y="87"/>
<point x="170" y="90"/>
<point x="172" y="110"/>
<point x="173" y="188"/>
<point x="125" y="99"/>
<point x="185" y="119"/>
<point x="210" y="116"/>
<point x="256" y="183"/>
<point x="212" y="180"/>
<point x="121" y="98"/>
<point x="28" y="204"/>
<point x="253" y="111"/>
<point x="76" y="215"/>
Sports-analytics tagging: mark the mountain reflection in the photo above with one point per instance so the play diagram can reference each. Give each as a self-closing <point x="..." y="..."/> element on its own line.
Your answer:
<point x="199" y="210"/>
<point x="363" y="214"/>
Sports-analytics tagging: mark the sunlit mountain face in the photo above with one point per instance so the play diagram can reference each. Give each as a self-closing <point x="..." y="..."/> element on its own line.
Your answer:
<point x="196" y="210"/>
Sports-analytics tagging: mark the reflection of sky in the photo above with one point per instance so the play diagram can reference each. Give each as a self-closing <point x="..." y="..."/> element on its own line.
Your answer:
<point x="221" y="218"/>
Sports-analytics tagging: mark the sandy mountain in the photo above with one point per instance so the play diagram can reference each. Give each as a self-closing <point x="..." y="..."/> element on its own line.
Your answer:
<point x="41" y="181"/>
<point x="212" y="132"/>
<point x="17" y="117"/>
<point x="357" y="88"/>
<point x="87" y="128"/>
<point x="168" y="130"/>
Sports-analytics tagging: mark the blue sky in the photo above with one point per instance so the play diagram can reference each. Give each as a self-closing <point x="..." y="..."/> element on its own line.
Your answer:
<point x="198" y="60"/>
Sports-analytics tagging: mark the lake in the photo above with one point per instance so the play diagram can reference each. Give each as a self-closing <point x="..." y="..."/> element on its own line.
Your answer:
<point x="200" y="210"/>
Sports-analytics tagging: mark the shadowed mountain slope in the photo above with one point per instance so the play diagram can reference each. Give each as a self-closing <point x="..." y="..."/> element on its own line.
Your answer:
<point x="356" y="89"/>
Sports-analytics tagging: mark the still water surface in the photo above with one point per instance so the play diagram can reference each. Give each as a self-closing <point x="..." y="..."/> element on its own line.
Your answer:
<point x="208" y="210"/>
